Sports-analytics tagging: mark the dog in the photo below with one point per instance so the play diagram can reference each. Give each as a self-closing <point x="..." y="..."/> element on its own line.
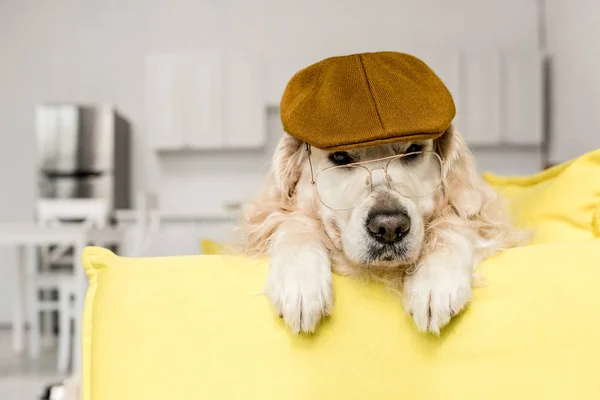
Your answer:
<point x="419" y="224"/>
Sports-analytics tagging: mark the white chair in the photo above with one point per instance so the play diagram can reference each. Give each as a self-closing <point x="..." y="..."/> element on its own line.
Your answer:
<point x="147" y="222"/>
<point x="85" y="213"/>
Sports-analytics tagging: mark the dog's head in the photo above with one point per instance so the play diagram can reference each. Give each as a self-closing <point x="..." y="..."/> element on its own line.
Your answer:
<point x="374" y="203"/>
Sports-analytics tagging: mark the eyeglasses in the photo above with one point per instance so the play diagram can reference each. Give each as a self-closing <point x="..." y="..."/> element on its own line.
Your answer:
<point x="411" y="175"/>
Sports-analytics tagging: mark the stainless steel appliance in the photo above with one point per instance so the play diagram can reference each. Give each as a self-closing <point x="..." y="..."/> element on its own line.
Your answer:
<point x="83" y="152"/>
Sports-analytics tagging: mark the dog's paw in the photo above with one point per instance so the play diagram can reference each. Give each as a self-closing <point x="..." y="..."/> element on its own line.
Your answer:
<point x="434" y="294"/>
<point x="300" y="288"/>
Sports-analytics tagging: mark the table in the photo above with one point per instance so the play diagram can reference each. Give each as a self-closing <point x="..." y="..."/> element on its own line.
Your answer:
<point x="133" y="216"/>
<point x="26" y="236"/>
<point x="145" y="226"/>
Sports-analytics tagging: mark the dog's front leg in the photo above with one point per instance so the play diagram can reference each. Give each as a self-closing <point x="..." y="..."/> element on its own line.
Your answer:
<point x="299" y="279"/>
<point x="440" y="287"/>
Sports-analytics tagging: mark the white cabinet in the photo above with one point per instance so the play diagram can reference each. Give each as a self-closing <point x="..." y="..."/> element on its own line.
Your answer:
<point x="244" y="102"/>
<point x="219" y="101"/>
<point x="201" y="102"/>
<point x="480" y="99"/>
<point x="499" y="98"/>
<point x="204" y="102"/>
<point x="524" y="99"/>
<point x="182" y="104"/>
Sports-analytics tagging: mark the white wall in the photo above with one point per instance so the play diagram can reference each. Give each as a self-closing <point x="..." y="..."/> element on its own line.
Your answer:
<point x="573" y="34"/>
<point x="93" y="51"/>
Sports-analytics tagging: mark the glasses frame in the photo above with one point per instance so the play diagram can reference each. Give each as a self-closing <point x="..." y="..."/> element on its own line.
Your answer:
<point x="389" y="159"/>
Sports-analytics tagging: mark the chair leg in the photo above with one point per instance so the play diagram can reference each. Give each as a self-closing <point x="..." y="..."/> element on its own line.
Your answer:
<point x="33" y="304"/>
<point x="47" y="334"/>
<point x="64" y="339"/>
<point x="18" y="328"/>
<point x="80" y="286"/>
<point x="34" y="324"/>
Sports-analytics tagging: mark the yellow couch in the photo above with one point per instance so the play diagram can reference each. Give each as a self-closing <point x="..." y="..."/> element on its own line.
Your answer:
<point x="562" y="203"/>
<point x="198" y="328"/>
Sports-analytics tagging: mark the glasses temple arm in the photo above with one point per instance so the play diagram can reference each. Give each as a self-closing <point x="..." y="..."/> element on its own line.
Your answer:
<point x="308" y="151"/>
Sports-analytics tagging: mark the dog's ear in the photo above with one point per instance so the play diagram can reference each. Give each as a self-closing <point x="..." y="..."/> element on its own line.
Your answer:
<point x="469" y="201"/>
<point x="277" y="199"/>
<point x="286" y="167"/>
<point x="463" y="188"/>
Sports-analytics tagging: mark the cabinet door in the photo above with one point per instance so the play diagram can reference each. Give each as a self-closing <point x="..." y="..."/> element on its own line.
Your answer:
<point x="183" y="102"/>
<point x="162" y="119"/>
<point x="201" y="91"/>
<point x="479" y="101"/>
<point x="245" y="102"/>
<point x="523" y="100"/>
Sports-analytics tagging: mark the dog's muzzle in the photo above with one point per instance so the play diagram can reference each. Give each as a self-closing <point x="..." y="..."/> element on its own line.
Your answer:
<point x="388" y="227"/>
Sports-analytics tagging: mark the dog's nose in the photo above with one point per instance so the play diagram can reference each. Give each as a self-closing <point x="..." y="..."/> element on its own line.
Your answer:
<point x="386" y="227"/>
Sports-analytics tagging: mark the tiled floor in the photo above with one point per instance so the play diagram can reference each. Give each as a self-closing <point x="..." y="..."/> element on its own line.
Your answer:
<point x="22" y="378"/>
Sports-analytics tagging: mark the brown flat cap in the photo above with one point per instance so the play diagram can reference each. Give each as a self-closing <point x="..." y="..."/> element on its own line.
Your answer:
<point x="366" y="99"/>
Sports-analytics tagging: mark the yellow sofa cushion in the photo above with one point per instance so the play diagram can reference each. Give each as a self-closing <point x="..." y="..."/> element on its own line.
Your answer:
<point x="196" y="327"/>
<point x="559" y="204"/>
<point x="209" y="246"/>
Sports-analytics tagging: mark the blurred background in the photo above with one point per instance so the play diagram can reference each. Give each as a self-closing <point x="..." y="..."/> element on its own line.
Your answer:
<point x="166" y="112"/>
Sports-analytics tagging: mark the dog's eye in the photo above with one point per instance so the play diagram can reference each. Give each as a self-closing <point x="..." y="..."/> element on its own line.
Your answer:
<point x="412" y="152"/>
<point x="413" y="148"/>
<point x="340" y="158"/>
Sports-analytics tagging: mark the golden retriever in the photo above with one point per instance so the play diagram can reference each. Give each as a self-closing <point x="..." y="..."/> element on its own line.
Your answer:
<point x="387" y="213"/>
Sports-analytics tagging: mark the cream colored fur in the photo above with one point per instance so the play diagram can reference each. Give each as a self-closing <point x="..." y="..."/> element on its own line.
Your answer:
<point x="454" y="230"/>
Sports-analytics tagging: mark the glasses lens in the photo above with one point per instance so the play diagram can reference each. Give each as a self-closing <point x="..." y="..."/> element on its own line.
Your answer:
<point x="343" y="187"/>
<point x="415" y="174"/>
